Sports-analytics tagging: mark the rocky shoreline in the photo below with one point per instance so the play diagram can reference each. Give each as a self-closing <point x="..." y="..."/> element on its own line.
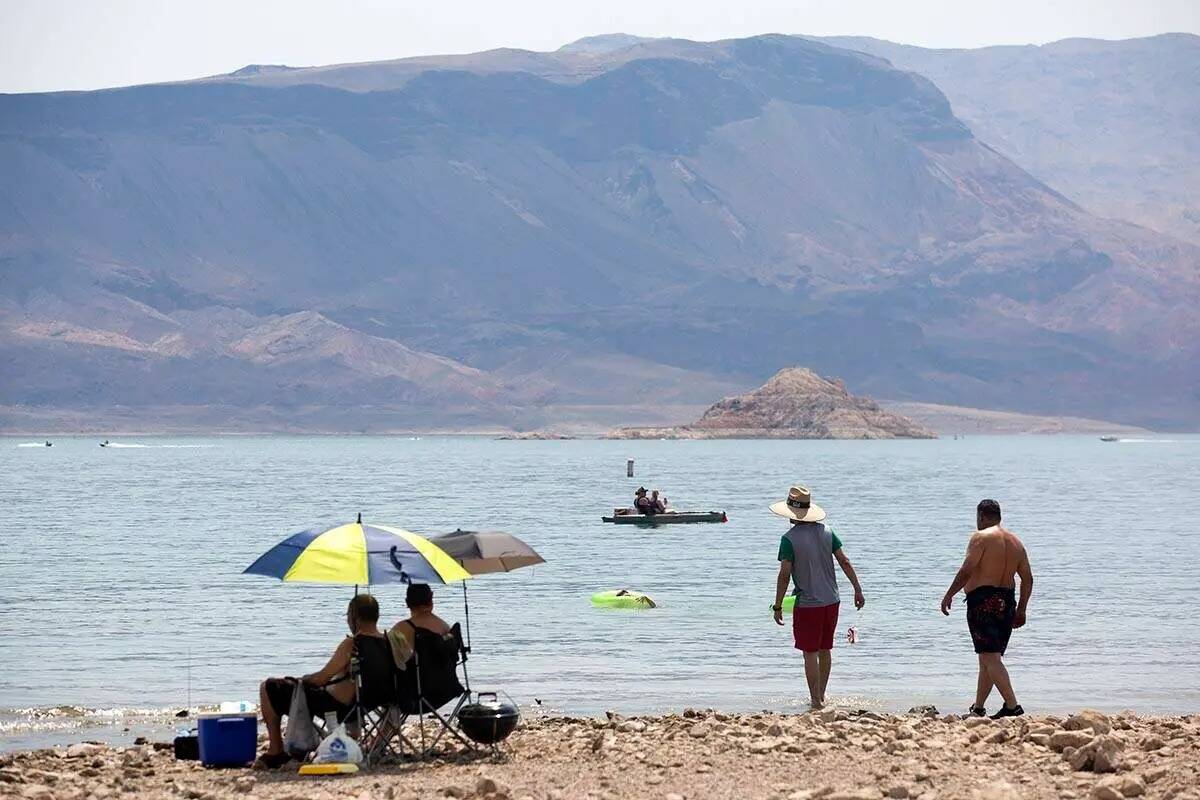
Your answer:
<point x="827" y="755"/>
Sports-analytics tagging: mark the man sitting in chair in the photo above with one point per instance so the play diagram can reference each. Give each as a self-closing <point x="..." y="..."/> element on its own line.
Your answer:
<point x="419" y="599"/>
<point x="426" y="650"/>
<point x="330" y="689"/>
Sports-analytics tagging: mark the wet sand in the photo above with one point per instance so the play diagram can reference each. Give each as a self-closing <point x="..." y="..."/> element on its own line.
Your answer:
<point x="834" y="755"/>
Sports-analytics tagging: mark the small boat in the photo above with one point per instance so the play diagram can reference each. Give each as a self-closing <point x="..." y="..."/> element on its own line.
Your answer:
<point x="1109" y="439"/>
<point x="665" y="517"/>
<point x="104" y="443"/>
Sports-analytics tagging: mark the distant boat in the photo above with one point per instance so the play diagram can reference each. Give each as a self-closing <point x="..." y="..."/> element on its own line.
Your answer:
<point x="104" y="443"/>
<point x="1109" y="439"/>
<point x="49" y="444"/>
<point x="665" y="517"/>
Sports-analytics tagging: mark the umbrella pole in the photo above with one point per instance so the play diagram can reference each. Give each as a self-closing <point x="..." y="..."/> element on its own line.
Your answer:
<point x="467" y="615"/>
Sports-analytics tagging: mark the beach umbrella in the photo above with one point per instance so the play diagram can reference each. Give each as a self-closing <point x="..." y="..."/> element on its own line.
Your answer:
<point x="483" y="552"/>
<point x="359" y="554"/>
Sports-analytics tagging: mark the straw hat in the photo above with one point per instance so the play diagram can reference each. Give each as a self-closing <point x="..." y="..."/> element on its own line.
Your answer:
<point x="799" y="506"/>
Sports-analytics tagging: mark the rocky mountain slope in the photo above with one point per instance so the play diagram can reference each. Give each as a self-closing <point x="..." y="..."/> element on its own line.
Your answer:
<point x="795" y="403"/>
<point x="515" y="238"/>
<point x="1113" y="125"/>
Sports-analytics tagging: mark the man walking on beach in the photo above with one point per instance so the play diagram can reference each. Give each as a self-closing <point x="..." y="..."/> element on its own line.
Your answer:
<point x="994" y="557"/>
<point x="806" y="556"/>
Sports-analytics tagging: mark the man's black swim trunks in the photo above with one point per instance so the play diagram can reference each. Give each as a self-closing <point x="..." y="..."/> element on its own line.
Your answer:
<point x="990" y="612"/>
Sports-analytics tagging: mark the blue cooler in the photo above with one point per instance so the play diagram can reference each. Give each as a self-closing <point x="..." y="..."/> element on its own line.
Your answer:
<point x="228" y="740"/>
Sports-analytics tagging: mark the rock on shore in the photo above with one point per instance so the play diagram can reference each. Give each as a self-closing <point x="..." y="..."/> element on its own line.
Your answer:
<point x="796" y="403"/>
<point x="696" y="755"/>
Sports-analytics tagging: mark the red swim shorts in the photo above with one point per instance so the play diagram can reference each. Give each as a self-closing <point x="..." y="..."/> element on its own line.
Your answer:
<point x="813" y="627"/>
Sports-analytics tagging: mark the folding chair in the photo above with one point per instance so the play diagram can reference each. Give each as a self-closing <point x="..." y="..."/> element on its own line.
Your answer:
<point x="426" y="685"/>
<point x="376" y="693"/>
<point x="437" y="660"/>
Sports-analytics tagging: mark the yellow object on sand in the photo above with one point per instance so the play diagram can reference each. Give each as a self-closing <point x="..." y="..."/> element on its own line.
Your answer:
<point x="328" y="769"/>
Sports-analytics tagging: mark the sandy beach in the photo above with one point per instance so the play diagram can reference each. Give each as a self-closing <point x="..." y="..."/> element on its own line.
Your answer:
<point x="834" y="755"/>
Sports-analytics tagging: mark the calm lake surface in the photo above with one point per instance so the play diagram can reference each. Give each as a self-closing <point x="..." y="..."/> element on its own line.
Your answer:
<point x="120" y="567"/>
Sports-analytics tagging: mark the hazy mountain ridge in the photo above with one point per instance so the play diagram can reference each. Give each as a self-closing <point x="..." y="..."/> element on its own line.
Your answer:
<point x="1113" y="124"/>
<point x="699" y="207"/>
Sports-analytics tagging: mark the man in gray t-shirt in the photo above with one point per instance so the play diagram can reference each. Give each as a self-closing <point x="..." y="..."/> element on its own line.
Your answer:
<point x="806" y="555"/>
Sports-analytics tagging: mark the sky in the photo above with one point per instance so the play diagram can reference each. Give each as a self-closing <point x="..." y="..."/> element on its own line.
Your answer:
<point x="48" y="45"/>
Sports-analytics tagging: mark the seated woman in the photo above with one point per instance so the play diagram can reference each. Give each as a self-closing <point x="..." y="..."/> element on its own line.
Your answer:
<point x="331" y="689"/>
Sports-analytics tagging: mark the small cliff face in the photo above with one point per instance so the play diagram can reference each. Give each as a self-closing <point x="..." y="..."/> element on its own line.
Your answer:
<point x="796" y="403"/>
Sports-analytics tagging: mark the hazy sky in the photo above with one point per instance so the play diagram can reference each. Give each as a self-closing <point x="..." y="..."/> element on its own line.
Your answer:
<point x="87" y="44"/>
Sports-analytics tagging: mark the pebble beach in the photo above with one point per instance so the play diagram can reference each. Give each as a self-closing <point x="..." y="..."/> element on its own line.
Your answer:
<point x="825" y="755"/>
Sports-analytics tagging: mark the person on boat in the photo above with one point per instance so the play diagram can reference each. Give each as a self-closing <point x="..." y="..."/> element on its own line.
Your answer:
<point x="641" y="503"/>
<point x="658" y="503"/>
<point x="330" y="689"/>
<point x="995" y="557"/>
<point x="806" y="555"/>
<point x="419" y="599"/>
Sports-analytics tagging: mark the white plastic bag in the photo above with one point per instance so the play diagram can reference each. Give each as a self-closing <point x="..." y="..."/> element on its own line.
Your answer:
<point x="338" y="748"/>
<point x="300" y="738"/>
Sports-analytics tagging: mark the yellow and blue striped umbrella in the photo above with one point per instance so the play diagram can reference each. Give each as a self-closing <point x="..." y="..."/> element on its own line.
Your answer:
<point x="358" y="554"/>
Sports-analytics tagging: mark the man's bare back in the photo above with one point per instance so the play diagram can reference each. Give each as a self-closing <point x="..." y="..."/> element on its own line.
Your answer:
<point x="996" y="556"/>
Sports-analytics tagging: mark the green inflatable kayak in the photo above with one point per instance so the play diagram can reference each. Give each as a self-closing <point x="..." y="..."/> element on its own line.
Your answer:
<point x="622" y="598"/>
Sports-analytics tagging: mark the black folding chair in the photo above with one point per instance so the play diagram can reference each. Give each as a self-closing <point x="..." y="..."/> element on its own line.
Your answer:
<point x="426" y="685"/>
<point x="376" y="691"/>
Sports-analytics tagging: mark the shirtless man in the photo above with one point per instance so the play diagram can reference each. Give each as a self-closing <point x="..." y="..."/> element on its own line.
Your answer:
<point x="329" y="690"/>
<point x="419" y="599"/>
<point x="994" y="557"/>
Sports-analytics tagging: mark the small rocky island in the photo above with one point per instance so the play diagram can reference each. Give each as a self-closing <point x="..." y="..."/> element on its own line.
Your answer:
<point x="796" y="403"/>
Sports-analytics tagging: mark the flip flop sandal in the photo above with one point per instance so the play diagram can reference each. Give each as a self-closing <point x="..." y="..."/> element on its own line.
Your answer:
<point x="1005" y="711"/>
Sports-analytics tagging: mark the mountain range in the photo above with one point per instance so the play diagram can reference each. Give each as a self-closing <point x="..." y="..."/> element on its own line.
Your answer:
<point x="1113" y="125"/>
<point x="618" y="232"/>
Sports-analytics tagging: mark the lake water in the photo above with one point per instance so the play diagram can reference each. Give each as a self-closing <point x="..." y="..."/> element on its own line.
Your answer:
<point x="120" y="584"/>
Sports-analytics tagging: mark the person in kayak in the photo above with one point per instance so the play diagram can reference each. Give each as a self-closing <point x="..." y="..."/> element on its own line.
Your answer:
<point x="995" y="557"/>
